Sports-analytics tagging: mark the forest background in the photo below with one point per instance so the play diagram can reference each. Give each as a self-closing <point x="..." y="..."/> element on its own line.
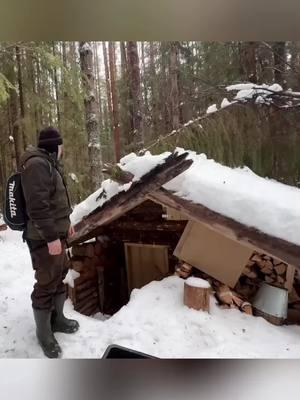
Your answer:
<point x="112" y="98"/>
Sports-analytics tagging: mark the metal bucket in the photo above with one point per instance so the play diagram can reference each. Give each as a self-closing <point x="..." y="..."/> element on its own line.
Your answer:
<point x="271" y="301"/>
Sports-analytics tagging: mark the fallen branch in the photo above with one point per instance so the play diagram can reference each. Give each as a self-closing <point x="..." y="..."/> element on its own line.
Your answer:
<point x="271" y="100"/>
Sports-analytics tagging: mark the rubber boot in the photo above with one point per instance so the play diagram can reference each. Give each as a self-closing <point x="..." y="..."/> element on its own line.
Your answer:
<point x="58" y="321"/>
<point x="45" y="335"/>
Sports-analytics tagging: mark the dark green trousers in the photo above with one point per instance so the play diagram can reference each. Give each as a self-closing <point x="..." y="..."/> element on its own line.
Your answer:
<point x="50" y="271"/>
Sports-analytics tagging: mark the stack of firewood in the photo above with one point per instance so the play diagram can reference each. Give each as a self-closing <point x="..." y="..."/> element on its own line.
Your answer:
<point x="229" y="299"/>
<point x="183" y="270"/>
<point x="262" y="268"/>
<point x="87" y="259"/>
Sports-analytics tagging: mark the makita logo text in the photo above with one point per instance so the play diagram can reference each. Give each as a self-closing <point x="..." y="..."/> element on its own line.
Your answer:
<point x="12" y="200"/>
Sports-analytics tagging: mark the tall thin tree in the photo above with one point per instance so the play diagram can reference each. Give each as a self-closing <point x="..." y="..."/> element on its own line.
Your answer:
<point x="92" y="123"/>
<point x="135" y="92"/>
<point x="115" y="105"/>
<point x="21" y="96"/>
<point x="174" y="94"/>
<point x="108" y="91"/>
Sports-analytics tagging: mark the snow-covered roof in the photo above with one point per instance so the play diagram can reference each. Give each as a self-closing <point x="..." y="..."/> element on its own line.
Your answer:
<point x="237" y="193"/>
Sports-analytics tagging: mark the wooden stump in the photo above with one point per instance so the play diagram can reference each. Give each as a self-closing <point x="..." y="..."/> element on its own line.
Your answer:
<point x="196" y="294"/>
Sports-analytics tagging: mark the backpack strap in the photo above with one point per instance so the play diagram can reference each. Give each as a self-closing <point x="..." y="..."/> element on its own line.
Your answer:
<point x="36" y="155"/>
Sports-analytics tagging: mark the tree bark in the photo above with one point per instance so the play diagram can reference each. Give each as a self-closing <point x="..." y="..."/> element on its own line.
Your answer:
<point x="21" y="96"/>
<point x="56" y="89"/>
<point x="164" y="114"/>
<point x="266" y="62"/>
<point x="14" y="121"/>
<point x="108" y="92"/>
<point x="279" y="50"/>
<point x="154" y="91"/>
<point x="99" y="87"/>
<point x="145" y="83"/>
<point x="196" y="297"/>
<point x="31" y="76"/>
<point x="115" y="106"/>
<point x="65" y="94"/>
<point x="248" y="58"/>
<point x="92" y="123"/>
<point x="174" y="95"/>
<point x="126" y="107"/>
<point x="135" y="94"/>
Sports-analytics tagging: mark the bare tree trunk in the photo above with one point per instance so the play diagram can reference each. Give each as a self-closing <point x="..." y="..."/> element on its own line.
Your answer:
<point x="266" y="62"/>
<point x="248" y="57"/>
<point x="56" y="89"/>
<point x="99" y="86"/>
<point x="92" y="123"/>
<point x="135" y="89"/>
<point x="21" y="96"/>
<point x="14" y="115"/>
<point x="279" y="51"/>
<point x="116" y="123"/>
<point x="12" y="151"/>
<point x="65" y="94"/>
<point x="144" y="79"/>
<point x="164" y="95"/>
<point x="126" y="103"/>
<point x="31" y="73"/>
<point x="39" y="89"/>
<point x="174" y="95"/>
<point x="154" y="91"/>
<point x="108" y="93"/>
<point x="294" y="74"/>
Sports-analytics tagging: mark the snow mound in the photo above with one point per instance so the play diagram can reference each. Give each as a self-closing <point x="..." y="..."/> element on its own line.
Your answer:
<point x="197" y="282"/>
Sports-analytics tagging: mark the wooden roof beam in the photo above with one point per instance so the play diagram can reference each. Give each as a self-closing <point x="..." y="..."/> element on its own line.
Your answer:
<point x="122" y="202"/>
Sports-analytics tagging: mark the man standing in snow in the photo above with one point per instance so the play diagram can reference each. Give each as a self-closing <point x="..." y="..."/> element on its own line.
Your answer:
<point x="48" y="210"/>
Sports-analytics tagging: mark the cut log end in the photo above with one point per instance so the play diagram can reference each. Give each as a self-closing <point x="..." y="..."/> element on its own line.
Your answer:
<point x="196" y="297"/>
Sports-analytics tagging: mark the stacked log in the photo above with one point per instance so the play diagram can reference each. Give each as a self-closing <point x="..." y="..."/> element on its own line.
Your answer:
<point x="262" y="267"/>
<point x="183" y="270"/>
<point x="86" y="259"/>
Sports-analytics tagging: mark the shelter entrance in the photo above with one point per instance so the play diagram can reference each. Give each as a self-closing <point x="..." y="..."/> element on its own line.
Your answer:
<point x="145" y="263"/>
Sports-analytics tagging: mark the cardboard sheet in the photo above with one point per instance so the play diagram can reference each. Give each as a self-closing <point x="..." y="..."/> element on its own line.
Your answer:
<point x="213" y="253"/>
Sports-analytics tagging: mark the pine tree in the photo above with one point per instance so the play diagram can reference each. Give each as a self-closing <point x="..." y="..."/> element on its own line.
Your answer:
<point x="135" y="95"/>
<point x="115" y="105"/>
<point x="92" y="123"/>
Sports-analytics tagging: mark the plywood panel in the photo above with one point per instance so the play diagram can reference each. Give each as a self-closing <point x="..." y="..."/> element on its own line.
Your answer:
<point x="213" y="253"/>
<point x="145" y="263"/>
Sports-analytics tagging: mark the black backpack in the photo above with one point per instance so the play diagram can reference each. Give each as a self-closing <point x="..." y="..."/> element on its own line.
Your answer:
<point x="14" y="204"/>
<point x="15" y="215"/>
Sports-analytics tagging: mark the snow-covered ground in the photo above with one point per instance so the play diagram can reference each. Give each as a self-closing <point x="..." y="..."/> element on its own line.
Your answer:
<point x="155" y="321"/>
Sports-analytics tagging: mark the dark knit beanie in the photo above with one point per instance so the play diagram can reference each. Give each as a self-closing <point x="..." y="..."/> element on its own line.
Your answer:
<point x="49" y="139"/>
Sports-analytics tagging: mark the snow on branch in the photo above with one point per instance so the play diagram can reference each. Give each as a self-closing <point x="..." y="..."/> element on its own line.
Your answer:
<point x="246" y="93"/>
